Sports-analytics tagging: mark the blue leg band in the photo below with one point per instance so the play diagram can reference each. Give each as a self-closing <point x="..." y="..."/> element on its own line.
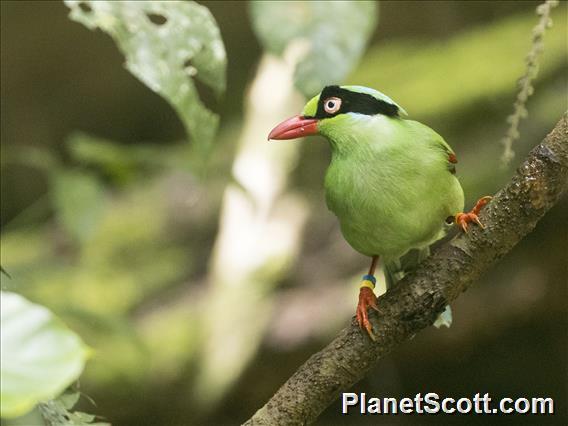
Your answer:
<point x="370" y="278"/>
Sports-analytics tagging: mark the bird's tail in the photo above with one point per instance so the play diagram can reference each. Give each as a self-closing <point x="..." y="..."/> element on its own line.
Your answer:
<point x="397" y="269"/>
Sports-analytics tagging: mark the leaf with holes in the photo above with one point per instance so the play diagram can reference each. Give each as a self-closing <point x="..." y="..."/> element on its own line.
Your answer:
<point x="333" y="35"/>
<point x="166" y="45"/>
<point x="40" y="355"/>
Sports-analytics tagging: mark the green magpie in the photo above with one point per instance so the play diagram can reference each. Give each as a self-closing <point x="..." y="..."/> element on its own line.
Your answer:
<point x="391" y="182"/>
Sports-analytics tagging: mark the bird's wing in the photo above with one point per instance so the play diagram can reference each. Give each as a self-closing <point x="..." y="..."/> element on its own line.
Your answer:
<point x="439" y="142"/>
<point x="435" y="141"/>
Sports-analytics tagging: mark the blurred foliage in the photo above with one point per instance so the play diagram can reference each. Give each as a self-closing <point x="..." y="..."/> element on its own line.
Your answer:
<point x="40" y="356"/>
<point x="332" y="36"/>
<point x="432" y="78"/>
<point x="119" y="246"/>
<point x="79" y="198"/>
<point x="124" y="164"/>
<point x="166" y="45"/>
<point x="129" y="258"/>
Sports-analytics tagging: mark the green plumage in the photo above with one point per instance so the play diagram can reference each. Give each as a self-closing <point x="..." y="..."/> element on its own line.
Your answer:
<point x="390" y="183"/>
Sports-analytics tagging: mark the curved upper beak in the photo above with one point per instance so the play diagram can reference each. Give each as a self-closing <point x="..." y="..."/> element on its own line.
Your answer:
<point x="295" y="127"/>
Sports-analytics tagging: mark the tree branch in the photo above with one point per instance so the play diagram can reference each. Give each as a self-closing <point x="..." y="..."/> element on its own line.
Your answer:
<point x="414" y="303"/>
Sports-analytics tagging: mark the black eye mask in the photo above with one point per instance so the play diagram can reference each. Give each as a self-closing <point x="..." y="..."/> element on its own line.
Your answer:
<point x="361" y="103"/>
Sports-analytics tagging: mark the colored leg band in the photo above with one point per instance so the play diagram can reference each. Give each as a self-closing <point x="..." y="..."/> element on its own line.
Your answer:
<point x="369" y="281"/>
<point x="370" y="278"/>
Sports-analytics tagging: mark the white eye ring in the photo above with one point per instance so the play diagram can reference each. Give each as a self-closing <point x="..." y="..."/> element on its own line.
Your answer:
<point x="332" y="105"/>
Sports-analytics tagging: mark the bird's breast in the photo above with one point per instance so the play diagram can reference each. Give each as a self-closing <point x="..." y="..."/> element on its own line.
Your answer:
<point x="387" y="207"/>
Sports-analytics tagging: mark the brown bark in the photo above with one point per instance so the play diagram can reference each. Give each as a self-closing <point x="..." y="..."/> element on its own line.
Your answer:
<point x="414" y="303"/>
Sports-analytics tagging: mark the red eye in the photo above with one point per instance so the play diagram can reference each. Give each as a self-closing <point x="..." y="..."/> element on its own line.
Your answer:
<point x="332" y="105"/>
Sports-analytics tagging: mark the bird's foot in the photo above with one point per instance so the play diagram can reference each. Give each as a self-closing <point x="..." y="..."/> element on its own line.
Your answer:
<point x="367" y="299"/>
<point x="462" y="219"/>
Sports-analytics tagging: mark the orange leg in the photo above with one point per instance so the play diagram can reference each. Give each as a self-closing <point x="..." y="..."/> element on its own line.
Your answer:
<point x="462" y="219"/>
<point x="367" y="299"/>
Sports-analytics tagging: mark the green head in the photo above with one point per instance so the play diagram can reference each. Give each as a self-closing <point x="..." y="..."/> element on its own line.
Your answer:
<point x="339" y="113"/>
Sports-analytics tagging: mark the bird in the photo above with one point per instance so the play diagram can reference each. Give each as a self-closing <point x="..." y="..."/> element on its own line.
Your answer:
<point x="391" y="182"/>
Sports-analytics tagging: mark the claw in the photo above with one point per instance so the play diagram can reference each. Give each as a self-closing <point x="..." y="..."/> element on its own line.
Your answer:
<point x="462" y="219"/>
<point x="476" y="220"/>
<point x="367" y="299"/>
<point x="369" y="329"/>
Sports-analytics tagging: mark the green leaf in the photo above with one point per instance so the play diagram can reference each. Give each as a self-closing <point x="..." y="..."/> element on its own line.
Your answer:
<point x="40" y="355"/>
<point x="335" y="34"/>
<point x="79" y="201"/>
<point x="166" y="45"/>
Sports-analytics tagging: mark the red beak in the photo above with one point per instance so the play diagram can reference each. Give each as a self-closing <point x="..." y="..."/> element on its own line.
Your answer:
<point x="295" y="127"/>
